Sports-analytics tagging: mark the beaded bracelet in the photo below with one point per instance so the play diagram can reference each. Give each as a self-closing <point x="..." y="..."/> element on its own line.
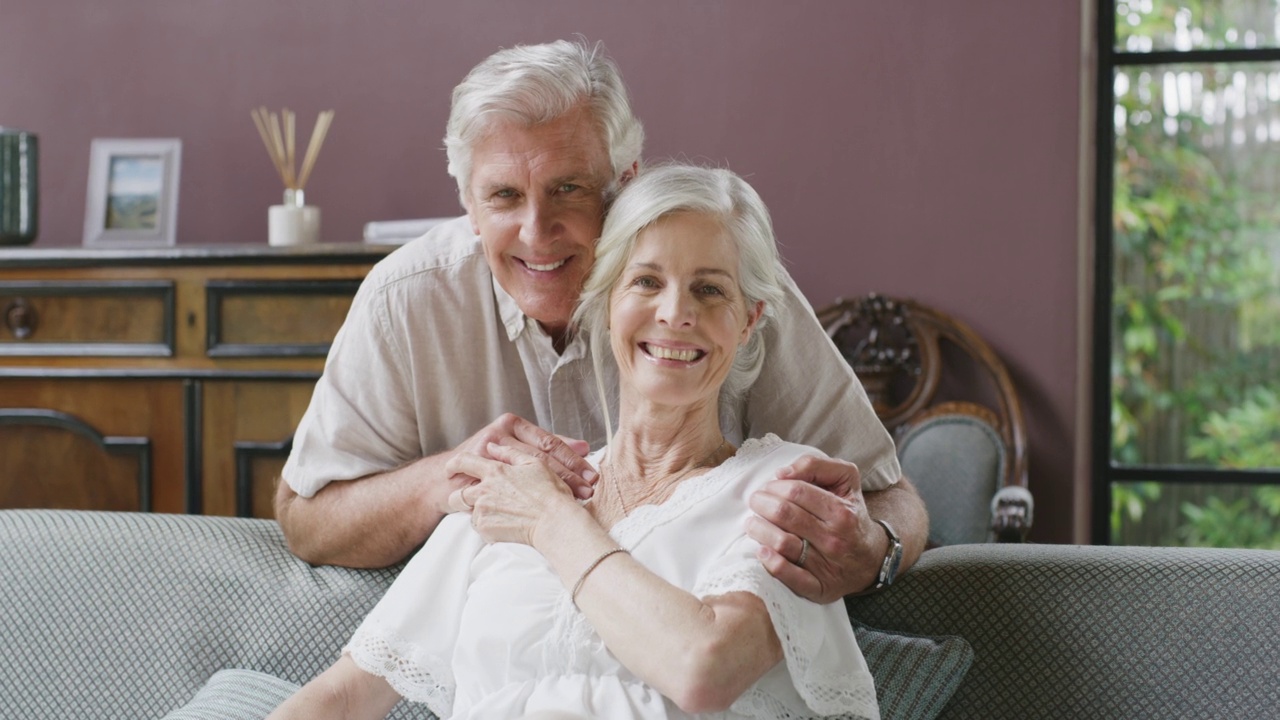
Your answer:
<point x="573" y="596"/>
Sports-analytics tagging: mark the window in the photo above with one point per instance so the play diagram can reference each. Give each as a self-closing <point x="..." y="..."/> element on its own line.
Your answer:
<point x="1187" y="307"/>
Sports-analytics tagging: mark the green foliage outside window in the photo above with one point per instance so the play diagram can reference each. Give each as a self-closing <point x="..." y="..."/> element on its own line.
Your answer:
<point x="1195" y="224"/>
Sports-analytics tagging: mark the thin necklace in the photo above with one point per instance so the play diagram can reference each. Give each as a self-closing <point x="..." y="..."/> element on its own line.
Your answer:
<point x="704" y="462"/>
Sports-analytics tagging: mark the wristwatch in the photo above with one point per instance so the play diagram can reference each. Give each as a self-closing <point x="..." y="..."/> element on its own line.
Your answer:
<point x="892" y="559"/>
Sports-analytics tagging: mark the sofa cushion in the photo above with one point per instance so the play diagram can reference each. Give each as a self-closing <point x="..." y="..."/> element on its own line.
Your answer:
<point x="915" y="674"/>
<point x="236" y="695"/>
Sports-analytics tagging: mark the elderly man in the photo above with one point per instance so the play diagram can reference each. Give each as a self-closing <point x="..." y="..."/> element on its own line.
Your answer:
<point x="462" y="338"/>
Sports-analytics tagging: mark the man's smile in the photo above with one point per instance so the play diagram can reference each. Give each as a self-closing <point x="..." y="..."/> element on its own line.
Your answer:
<point x="544" y="267"/>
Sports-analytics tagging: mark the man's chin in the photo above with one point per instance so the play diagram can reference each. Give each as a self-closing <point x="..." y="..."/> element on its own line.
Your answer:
<point x="552" y="316"/>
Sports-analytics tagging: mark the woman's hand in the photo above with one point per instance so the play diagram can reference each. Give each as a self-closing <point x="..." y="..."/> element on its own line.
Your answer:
<point x="516" y="492"/>
<point x="564" y="456"/>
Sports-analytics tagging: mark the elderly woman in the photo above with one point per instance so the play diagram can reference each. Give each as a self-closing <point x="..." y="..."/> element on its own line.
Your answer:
<point x="648" y="600"/>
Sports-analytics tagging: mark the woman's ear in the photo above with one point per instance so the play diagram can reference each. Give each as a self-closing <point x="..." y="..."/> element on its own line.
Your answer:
<point x="753" y="317"/>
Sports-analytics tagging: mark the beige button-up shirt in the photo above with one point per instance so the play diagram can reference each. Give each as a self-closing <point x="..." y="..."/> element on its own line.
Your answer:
<point x="434" y="349"/>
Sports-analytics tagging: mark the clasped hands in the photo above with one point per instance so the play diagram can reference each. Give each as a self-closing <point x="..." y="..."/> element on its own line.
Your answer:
<point x="512" y="475"/>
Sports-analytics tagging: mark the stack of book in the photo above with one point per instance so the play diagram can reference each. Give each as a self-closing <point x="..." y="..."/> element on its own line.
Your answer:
<point x="398" y="232"/>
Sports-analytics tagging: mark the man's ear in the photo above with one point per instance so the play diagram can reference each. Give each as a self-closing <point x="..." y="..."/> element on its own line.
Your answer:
<point x="465" y="199"/>
<point x="629" y="174"/>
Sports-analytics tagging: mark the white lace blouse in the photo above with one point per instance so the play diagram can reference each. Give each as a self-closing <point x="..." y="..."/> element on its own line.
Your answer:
<point x="489" y="631"/>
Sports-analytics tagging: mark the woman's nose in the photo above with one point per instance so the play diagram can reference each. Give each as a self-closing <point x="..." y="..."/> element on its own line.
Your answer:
<point x="675" y="308"/>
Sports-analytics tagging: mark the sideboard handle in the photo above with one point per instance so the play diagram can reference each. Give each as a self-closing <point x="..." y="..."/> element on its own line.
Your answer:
<point x="20" y="317"/>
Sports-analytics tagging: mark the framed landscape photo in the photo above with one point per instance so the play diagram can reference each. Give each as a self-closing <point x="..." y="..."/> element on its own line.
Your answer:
<point x="133" y="192"/>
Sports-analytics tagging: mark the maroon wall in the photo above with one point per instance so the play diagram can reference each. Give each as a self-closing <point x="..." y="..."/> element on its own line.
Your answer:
<point x="926" y="149"/>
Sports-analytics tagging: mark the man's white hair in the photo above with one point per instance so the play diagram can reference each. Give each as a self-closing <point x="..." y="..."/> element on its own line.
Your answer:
<point x="536" y="84"/>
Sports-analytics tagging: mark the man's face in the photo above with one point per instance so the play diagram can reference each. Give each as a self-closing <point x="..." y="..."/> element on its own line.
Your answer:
<point x="536" y="199"/>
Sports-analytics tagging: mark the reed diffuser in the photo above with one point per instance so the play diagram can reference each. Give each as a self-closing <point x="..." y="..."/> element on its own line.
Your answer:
<point x="294" y="222"/>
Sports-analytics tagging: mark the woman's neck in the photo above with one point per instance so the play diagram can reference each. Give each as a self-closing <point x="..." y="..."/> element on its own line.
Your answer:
<point x="654" y="442"/>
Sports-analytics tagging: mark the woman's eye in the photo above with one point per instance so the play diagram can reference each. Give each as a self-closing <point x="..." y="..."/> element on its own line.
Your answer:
<point x="711" y="290"/>
<point x="645" y="281"/>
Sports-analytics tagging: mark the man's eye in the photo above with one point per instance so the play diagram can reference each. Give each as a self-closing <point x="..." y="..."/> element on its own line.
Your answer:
<point x="504" y="194"/>
<point x="569" y="187"/>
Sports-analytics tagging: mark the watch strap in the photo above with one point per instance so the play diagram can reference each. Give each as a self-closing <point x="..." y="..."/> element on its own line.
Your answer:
<point x="892" y="558"/>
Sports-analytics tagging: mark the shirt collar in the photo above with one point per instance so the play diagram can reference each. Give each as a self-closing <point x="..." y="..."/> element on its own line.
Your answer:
<point x="513" y="318"/>
<point x="516" y="323"/>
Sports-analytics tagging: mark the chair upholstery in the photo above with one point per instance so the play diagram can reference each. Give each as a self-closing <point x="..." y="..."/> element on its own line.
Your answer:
<point x="955" y="462"/>
<point x="952" y="407"/>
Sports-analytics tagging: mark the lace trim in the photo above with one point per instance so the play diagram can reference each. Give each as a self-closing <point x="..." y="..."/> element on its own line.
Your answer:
<point x="630" y="530"/>
<point x="571" y="640"/>
<point x="409" y="668"/>
<point x="837" y="692"/>
<point x="755" y="703"/>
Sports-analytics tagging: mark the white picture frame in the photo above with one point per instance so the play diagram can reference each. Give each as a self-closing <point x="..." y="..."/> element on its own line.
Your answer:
<point x="133" y="192"/>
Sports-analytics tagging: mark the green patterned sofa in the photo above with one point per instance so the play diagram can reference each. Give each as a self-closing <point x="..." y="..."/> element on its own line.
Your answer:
<point x="127" y="615"/>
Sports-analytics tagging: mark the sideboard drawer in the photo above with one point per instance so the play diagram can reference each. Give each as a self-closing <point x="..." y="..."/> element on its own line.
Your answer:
<point x="131" y="318"/>
<point x="276" y="318"/>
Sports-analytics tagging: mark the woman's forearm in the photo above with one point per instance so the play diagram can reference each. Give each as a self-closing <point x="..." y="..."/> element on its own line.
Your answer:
<point x="702" y="655"/>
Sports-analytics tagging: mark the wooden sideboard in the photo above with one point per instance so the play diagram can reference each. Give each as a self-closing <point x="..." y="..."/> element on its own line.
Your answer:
<point x="162" y="380"/>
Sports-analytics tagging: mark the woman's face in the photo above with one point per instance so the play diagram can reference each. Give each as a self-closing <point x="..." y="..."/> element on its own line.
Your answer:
<point x="677" y="314"/>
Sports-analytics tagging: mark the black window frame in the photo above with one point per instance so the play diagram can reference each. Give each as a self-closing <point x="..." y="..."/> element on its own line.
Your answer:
<point x="1104" y="471"/>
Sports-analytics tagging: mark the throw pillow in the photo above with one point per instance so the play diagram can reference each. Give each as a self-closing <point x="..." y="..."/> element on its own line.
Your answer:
<point x="915" y="675"/>
<point x="236" y="695"/>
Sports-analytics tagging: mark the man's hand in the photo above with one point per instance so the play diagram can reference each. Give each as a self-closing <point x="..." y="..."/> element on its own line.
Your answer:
<point x="377" y="520"/>
<point x="563" y="456"/>
<point x="818" y="500"/>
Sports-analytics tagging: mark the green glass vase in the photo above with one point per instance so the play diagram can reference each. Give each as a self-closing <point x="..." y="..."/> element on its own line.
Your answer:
<point x="19" y="187"/>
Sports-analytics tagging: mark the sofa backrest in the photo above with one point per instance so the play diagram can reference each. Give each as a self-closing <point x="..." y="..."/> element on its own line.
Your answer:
<point x="1098" y="632"/>
<point x="126" y="615"/>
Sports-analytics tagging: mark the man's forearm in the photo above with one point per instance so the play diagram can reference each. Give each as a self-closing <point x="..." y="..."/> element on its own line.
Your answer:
<point x="374" y="521"/>
<point x="901" y="506"/>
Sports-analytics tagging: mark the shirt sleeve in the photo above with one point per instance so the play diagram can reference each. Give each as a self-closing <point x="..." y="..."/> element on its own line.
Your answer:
<point x="361" y="419"/>
<point x="807" y="393"/>
<point x="410" y="636"/>
<point x="823" y="673"/>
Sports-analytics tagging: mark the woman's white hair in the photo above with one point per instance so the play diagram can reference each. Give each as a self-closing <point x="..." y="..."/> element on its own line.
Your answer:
<point x="665" y="190"/>
<point x="535" y="84"/>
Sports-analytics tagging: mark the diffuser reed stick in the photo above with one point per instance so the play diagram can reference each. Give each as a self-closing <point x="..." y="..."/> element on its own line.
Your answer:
<point x="278" y="133"/>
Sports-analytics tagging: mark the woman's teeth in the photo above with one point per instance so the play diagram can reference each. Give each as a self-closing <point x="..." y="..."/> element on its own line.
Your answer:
<point x="671" y="354"/>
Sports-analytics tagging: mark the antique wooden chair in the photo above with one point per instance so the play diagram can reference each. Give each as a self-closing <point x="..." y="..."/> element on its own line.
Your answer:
<point x="948" y="400"/>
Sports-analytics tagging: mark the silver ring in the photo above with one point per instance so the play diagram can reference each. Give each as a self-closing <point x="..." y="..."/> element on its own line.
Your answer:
<point x="804" y="551"/>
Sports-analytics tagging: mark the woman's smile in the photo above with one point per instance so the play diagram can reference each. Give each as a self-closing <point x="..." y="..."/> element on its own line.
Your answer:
<point x="665" y="353"/>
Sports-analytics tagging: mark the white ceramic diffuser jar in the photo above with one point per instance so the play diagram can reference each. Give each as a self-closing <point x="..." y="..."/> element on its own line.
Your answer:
<point x="294" y="222"/>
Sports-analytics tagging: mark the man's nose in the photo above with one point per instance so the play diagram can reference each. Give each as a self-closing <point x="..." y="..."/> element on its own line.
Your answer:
<point x="539" y="222"/>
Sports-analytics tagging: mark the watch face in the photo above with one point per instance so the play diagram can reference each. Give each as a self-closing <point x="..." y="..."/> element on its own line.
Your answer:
<point x="895" y="559"/>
